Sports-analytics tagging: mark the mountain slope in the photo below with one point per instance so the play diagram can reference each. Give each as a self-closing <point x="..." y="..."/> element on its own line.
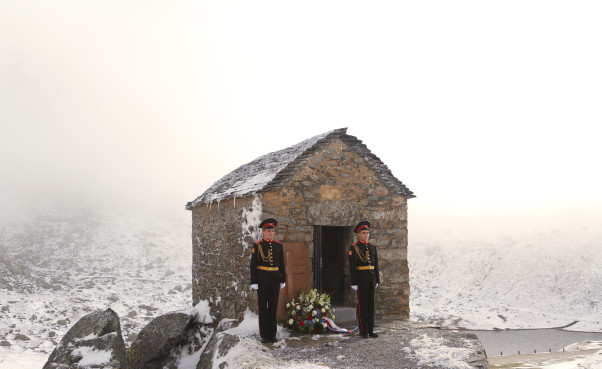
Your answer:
<point x="539" y="280"/>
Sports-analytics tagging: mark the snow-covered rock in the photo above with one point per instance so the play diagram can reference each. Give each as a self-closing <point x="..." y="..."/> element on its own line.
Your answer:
<point x="93" y="342"/>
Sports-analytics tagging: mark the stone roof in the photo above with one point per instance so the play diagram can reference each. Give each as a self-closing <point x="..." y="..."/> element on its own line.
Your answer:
<point x="270" y="171"/>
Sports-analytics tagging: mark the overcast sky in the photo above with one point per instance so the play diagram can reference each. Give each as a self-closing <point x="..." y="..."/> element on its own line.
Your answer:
<point x="489" y="111"/>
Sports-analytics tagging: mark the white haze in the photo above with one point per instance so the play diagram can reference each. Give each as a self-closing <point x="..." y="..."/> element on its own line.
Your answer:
<point x="489" y="112"/>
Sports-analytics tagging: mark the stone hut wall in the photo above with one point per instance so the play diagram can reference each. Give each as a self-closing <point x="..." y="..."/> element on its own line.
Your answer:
<point x="222" y="237"/>
<point x="336" y="188"/>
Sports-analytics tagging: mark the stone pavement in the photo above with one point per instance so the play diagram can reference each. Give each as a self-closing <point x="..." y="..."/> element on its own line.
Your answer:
<point x="401" y="344"/>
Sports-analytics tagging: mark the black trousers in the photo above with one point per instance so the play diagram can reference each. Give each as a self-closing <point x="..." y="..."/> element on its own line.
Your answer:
<point x="267" y="301"/>
<point x="366" y="285"/>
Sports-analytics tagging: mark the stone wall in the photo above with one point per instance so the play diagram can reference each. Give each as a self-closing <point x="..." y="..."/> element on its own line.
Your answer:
<point x="335" y="187"/>
<point x="222" y="238"/>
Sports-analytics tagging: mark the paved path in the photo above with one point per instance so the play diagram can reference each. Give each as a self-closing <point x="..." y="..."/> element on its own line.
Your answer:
<point x="402" y="344"/>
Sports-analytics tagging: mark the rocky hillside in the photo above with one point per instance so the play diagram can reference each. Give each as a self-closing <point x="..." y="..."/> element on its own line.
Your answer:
<point x="72" y="258"/>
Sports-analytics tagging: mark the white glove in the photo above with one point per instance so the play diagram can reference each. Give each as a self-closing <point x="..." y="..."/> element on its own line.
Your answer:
<point x="255" y="286"/>
<point x="354" y="287"/>
<point x="376" y="286"/>
<point x="282" y="285"/>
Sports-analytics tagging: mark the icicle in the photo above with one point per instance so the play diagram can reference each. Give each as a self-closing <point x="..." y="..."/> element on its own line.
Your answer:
<point x="217" y="204"/>
<point x="234" y="205"/>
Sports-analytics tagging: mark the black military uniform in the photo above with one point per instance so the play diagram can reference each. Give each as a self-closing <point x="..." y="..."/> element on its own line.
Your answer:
<point x="363" y="271"/>
<point x="268" y="271"/>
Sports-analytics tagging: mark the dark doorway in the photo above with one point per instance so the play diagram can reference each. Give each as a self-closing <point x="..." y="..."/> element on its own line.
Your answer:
<point x="330" y="246"/>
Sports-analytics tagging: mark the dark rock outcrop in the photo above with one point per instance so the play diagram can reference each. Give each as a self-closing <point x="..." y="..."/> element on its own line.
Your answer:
<point x="96" y="335"/>
<point x="154" y="347"/>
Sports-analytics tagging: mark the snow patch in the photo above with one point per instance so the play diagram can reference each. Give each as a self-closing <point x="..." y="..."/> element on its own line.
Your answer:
<point x="432" y="351"/>
<point x="251" y="218"/>
<point x="593" y="361"/>
<point x="584" y="345"/>
<point x="91" y="336"/>
<point x="248" y="327"/>
<point x="91" y="356"/>
<point x="202" y="312"/>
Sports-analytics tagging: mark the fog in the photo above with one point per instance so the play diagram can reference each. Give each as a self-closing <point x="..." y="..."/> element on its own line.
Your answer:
<point x="488" y="112"/>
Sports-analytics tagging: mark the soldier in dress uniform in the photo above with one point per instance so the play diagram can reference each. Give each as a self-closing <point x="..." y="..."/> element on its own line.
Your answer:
<point x="268" y="276"/>
<point x="363" y="270"/>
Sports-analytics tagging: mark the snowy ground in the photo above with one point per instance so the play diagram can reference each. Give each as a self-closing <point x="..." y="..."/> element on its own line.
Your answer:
<point x="69" y="260"/>
<point x="539" y="280"/>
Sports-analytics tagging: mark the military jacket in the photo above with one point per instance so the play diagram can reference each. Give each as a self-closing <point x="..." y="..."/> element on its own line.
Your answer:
<point x="268" y="256"/>
<point x="363" y="259"/>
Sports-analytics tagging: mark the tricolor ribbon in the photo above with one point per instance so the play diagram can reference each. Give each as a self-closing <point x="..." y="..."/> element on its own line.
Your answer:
<point x="333" y="327"/>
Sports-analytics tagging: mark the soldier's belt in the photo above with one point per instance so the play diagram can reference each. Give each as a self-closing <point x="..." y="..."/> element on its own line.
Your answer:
<point x="368" y="267"/>
<point x="269" y="269"/>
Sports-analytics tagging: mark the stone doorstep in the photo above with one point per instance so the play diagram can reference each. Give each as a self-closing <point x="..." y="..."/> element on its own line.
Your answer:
<point x="344" y="314"/>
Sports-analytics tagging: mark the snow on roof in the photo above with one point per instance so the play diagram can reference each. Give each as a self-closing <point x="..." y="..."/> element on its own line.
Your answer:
<point x="268" y="171"/>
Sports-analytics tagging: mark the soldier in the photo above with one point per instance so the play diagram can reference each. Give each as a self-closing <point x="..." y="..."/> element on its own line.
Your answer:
<point x="363" y="270"/>
<point x="268" y="276"/>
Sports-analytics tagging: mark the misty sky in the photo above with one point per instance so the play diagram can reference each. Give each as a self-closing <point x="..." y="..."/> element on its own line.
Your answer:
<point x="488" y="111"/>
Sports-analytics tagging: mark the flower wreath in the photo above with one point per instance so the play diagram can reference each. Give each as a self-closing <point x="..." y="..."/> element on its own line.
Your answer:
<point x="307" y="314"/>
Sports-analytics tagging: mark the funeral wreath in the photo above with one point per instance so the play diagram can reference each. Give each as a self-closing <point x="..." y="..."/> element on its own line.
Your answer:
<point x="308" y="313"/>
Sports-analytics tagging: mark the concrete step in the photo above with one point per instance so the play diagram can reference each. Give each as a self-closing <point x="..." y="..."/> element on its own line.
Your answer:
<point x="344" y="313"/>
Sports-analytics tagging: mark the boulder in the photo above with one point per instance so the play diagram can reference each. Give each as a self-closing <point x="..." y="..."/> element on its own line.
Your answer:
<point x="93" y="342"/>
<point x="154" y="347"/>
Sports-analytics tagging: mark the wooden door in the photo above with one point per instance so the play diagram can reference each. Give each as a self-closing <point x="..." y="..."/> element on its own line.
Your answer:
<point x="298" y="274"/>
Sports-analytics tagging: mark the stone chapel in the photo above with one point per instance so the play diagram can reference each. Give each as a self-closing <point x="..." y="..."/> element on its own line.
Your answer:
<point x="318" y="190"/>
